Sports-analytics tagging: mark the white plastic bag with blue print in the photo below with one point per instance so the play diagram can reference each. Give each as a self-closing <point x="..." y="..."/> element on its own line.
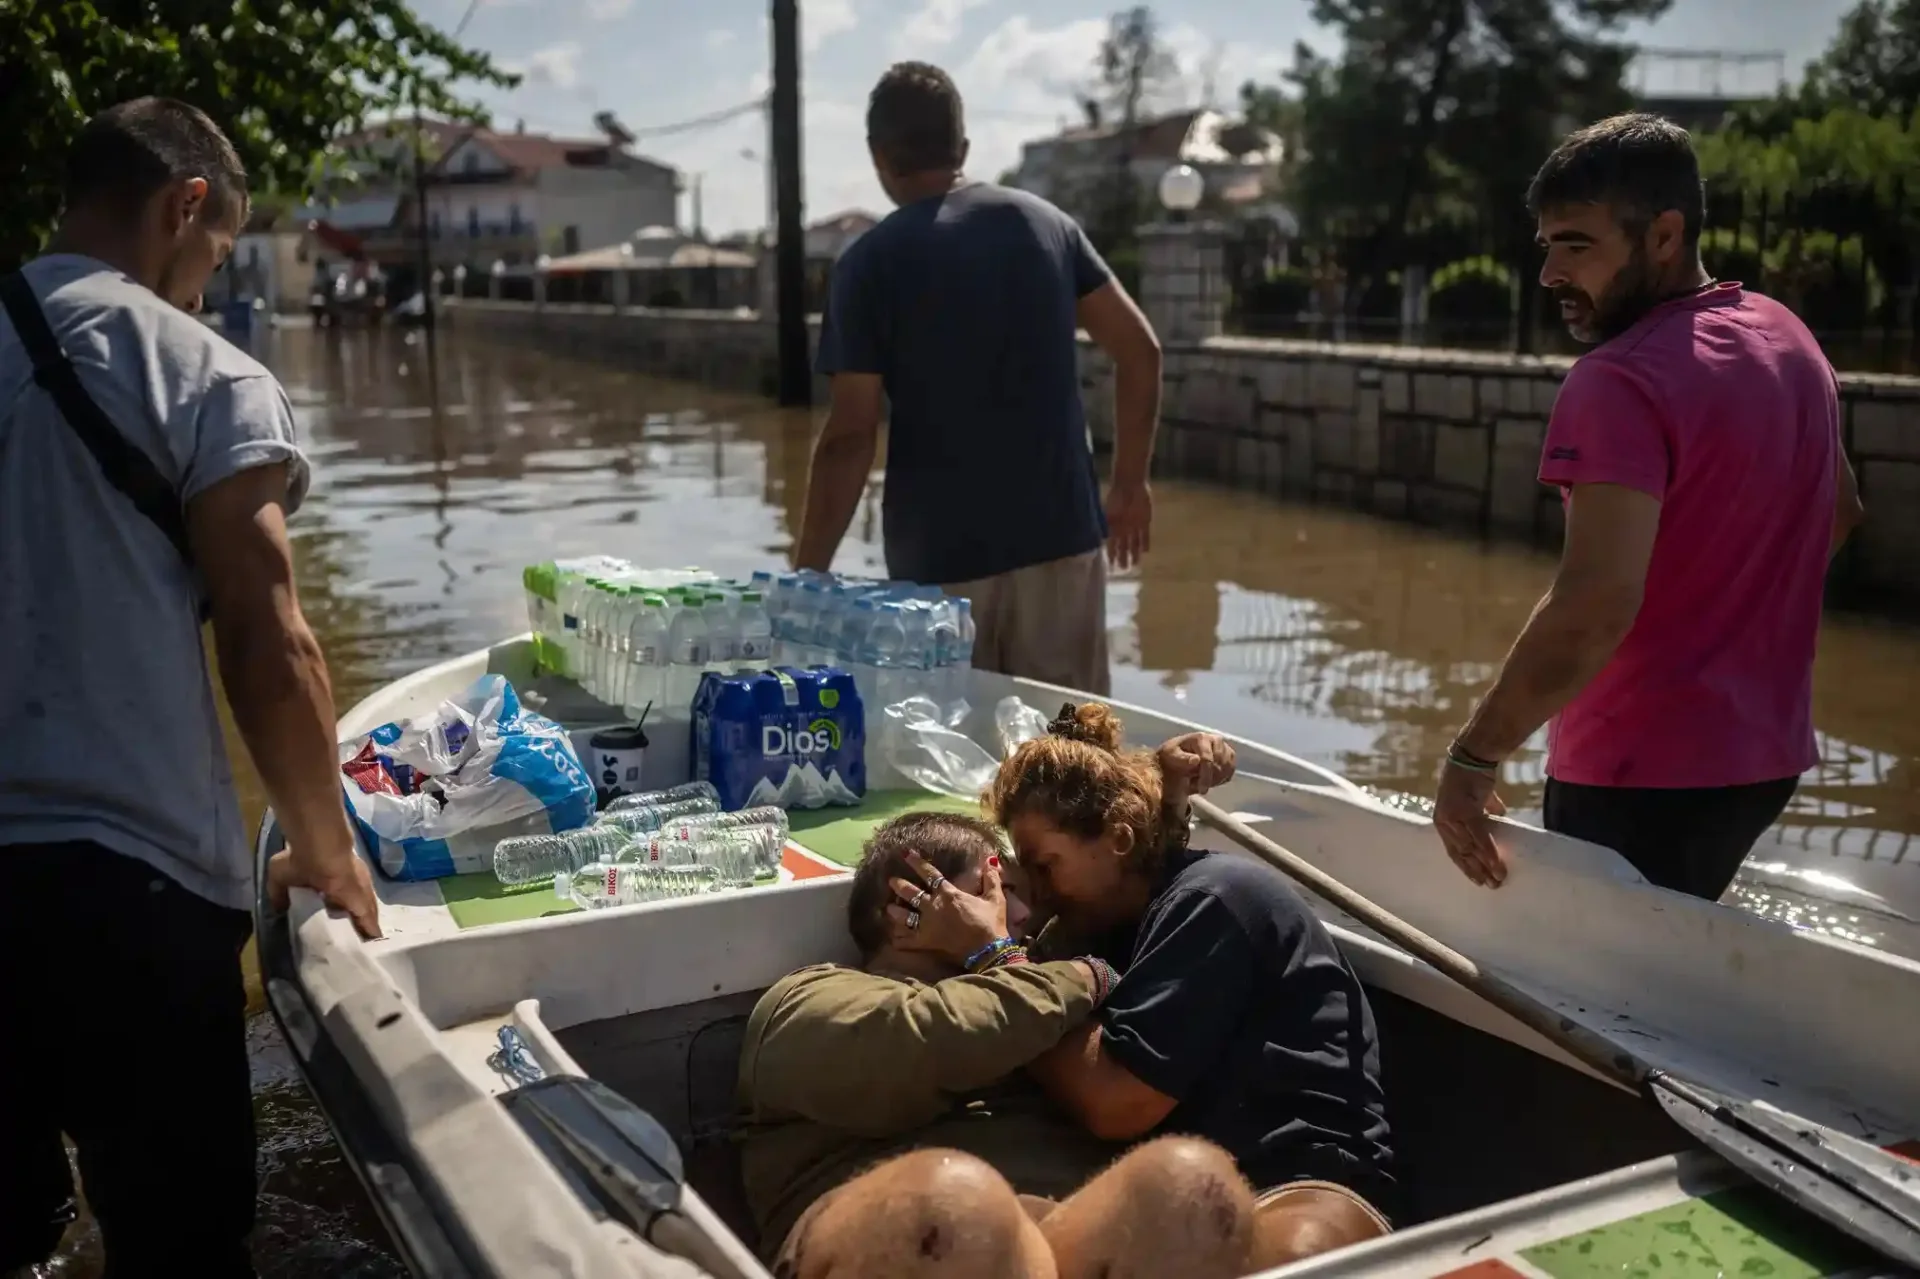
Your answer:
<point x="431" y="797"/>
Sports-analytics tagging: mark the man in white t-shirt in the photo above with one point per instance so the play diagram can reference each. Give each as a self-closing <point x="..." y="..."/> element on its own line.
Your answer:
<point x="147" y="469"/>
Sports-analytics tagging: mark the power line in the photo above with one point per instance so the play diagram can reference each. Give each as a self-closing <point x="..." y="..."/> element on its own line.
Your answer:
<point x="702" y="121"/>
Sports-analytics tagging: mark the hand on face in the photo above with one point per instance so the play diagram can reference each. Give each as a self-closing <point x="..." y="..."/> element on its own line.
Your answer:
<point x="1460" y="811"/>
<point x="933" y="916"/>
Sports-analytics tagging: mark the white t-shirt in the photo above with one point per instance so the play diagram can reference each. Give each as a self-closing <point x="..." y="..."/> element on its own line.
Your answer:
<point x="108" y="730"/>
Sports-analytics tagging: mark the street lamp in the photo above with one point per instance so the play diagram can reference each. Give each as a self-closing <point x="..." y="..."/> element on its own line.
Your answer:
<point x="1181" y="189"/>
<point x="499" y="266"/>
<point x="541" y="263"/>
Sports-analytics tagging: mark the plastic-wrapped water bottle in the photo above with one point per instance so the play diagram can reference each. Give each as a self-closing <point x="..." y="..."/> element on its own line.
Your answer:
<point x="670" y="795"/>
<point x="755" y="631"/>
<point x="806" y="621"/>
<point x="644" y="819"/>
<point x="646" y="655"/>
<point x="686" y="652"/>
<point x="527" y="858"/>
<point x="886" y="650"/>
<point x="962" y="659"/>
<point x="945" y="636"/>
<point x="723" y="639"/>
<point x="604" y="884"/>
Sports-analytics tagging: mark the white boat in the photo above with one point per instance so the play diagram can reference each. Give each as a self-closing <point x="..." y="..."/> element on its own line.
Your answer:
<point x="1516" y="1159"/>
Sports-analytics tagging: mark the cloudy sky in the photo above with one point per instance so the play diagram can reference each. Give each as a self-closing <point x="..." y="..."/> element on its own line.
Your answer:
<point x="656" y="62"/>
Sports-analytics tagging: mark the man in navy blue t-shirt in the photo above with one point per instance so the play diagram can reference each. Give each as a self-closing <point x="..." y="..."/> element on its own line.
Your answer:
<point x="960" y="311"/>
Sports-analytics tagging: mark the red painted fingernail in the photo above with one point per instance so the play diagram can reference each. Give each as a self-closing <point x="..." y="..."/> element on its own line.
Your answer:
<point x="994" y="861"/>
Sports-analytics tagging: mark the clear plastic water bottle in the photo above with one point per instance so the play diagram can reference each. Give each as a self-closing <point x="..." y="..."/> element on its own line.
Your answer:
<point x="963" y="633"/>
<point x="755" y="631"/>
<point x="806" y="622"/>
<point x="686" y="651"/>
<point x="603" y="884"/>
<point x="736" y="854"/>
<point x="723" y="638"/>
<point x="886" y="650"/>
<point x="527" y="858"/>
<point x="945" y="636"/>
<point x="644" y="819"/>
<point x="646" y="656"/>
<point x="762" y="833"/>
<point x="670" y="795"/>
<point x="856" y="652"/>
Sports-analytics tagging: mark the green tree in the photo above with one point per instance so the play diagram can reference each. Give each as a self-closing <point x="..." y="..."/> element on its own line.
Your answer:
<point x="1443" y="106"/>
<point x="1873" y="64"/>
<point x="283" y="77"/>
<point x="1131" y="70"/>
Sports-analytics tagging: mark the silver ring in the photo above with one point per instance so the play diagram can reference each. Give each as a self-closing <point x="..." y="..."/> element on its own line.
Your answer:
<point x="913" y="919"/>
<point x="934" y="884"/>
<point x="920" y="899"/>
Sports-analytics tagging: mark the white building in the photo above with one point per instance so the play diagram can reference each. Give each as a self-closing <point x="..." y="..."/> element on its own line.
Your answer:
<point x="1072" y="168"/>
<point x="514" y="196"/>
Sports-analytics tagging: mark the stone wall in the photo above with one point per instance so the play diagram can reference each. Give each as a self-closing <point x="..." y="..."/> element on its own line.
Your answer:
<point x="1453" y="438"/>
<point x="1438" y="437"/>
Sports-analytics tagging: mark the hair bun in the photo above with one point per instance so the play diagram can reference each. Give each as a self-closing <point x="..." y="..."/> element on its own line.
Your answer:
<point x="1091" y="723"/>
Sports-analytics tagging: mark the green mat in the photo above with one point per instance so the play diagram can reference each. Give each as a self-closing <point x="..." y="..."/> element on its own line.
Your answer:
<point x="834" y="833"/>
<point x="838" y="833"/>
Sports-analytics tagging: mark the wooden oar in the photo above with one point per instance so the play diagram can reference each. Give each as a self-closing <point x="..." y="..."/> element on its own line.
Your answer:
<point x="1870" y="1195"/>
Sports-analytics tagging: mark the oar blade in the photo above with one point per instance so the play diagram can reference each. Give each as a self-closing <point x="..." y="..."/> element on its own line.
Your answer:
<point x="1834" y="1187"/>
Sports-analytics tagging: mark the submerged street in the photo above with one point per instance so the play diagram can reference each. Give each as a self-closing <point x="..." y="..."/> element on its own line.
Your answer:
<point x="1355" y="643"/>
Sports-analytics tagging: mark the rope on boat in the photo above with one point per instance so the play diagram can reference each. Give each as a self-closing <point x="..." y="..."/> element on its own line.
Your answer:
<point x="514" y="1058"/>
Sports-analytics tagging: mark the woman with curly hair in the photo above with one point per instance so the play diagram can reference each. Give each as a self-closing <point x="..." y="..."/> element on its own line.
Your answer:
<point x="1235" y="1018"/>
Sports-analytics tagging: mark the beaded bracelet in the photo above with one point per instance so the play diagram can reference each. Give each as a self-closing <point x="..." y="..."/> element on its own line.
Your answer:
<point x="981" y="960"/>
<point x="1104" y="978"/>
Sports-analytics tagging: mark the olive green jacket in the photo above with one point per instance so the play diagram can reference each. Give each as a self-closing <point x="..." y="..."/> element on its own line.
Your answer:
<point x="842" y="1069"/>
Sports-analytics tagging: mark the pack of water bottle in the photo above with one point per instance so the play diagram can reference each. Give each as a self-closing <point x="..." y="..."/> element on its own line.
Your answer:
<point x="647" y="847"/>
<point x="635" y="637"/>
<point x="897" y="639"/>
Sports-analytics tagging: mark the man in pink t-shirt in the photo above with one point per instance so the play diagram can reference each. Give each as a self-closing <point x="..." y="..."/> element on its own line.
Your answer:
<point x="1697" y="448"/>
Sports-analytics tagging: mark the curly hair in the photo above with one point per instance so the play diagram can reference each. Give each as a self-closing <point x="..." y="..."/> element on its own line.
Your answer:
<point x="1079" y="778"/>
<point x="952" y="844"/>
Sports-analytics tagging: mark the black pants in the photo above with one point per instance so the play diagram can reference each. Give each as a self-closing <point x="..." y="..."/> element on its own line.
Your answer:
<point x="124" y="1012"/>
<point x="1691" y="841"/>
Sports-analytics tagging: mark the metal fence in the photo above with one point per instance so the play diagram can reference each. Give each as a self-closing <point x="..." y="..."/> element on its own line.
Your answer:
<point x="1843" y="257"/>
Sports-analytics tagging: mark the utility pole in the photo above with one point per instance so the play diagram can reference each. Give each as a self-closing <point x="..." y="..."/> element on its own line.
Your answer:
<point x="796" y="368"/>
<point x="420" y="218"/>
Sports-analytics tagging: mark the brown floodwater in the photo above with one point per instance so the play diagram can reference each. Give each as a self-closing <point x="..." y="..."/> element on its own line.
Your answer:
<point x="1352" y="642"/>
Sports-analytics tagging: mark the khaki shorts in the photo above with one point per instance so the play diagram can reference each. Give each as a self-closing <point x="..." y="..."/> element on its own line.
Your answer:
<point x="1046" y="622"/>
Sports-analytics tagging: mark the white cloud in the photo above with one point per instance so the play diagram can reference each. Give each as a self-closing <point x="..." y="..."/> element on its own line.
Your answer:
<point x="719" y="38"/>
<point x="821" y="20"/>
<point x="557" y="65"/>
<point x="607" y="10"/>
<point x="932" y="27"/>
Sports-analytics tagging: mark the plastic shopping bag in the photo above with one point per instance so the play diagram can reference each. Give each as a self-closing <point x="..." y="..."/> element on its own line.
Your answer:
<point x="431" y="797"/>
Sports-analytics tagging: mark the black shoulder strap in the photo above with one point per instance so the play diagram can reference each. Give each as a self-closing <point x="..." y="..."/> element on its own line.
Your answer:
<point x="121" y="461"/>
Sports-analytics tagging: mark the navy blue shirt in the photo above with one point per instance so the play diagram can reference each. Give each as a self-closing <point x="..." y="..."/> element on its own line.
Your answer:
<point x="966" y="305"/>
<point x="1236" y="1003"/>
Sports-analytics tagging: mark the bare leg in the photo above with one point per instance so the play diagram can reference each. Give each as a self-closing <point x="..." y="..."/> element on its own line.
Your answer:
<point x="931" y="1214"/>
<point x="1174" y="1206"/>
<point x="1307" y="1219"/>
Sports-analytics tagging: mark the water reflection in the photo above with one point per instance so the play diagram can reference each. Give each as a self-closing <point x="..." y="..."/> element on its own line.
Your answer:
<point x="1352" y="642"/>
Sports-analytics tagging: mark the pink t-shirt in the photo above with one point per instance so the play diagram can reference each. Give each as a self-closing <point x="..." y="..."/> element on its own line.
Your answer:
<point x="1721" y="405"/>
